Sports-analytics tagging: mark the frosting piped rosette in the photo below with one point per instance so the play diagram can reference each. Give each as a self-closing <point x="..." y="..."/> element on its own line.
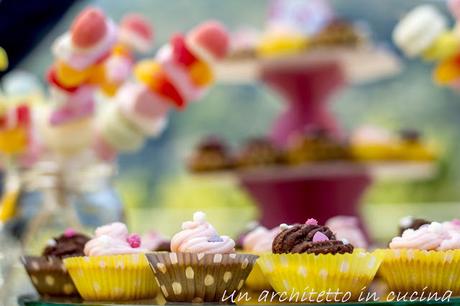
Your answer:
<point x="201" y="266"/>
<point x="309" y="255"/>
<point x="425" y="258"/>
<point x="198" y="236"/>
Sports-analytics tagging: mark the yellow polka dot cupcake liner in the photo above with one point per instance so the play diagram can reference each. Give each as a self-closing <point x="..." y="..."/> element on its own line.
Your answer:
<point x="186" y="277"/>
<point x="49" y="276"/>
<point x="308" y="275"/>
<point x="256" y="280"/>
<point x="409" y="270"/>
<point x="112" y="278"/>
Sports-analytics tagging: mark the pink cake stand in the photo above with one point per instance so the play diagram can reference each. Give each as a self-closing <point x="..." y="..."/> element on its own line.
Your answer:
<point x="306" y="82"/>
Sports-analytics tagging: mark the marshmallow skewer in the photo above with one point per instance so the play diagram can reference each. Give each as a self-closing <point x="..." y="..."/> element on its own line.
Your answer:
<point x="180" y="73"/>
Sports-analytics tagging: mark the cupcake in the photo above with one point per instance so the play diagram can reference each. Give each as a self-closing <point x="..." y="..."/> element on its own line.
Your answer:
<point x="258" y="241"/>
<point x="371" y="143"/>
<point x="202" y="266"/>
<point x="210" y="155"/>
<point x="335" y="34"/>
<point x="347" y="228"/>
<point x="308" y="259"/>
<point x="258" y="152"/>
<point x="315" y="145"/>
<point x="411" y="147"/>
<point x="426" y="259"/>
<point x="114" y="267"/>
<point x="47" y="272"/>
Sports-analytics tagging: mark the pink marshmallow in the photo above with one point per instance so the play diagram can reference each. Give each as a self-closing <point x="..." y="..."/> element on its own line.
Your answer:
<point x="211" y="37"/>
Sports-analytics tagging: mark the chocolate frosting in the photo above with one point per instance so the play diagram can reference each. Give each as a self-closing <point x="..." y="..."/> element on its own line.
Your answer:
<point x="299" y="239"/>
<point x="411" y="223"/>
<point x="66" y="246"/>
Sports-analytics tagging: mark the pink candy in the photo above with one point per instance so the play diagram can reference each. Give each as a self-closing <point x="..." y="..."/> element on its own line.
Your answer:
<point x="213" y="37"/>
<point x="134" y="240"/>
<point x="319" y="237"/>
<point x="311" y="221"/>
<point x="69" y="233"/>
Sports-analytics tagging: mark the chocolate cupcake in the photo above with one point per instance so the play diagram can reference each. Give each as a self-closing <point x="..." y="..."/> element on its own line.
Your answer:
<point x="210" y="155"/>
<point x="309" y="238"/>
<point x="338" y="32"/>
<point x="258" y="152"/>
<point x="308" y="259"/>
<point x="411" y="223"/>
<point x="315" y="145"/>
<point x="47" y="272"/>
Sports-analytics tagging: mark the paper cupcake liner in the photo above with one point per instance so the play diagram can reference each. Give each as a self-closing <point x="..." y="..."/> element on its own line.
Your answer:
<point x="256" y="280"/>
<point x="49" y="276"/>
<point x="113" y="277"/>
<point x="186" y="277"/>
<point x="408" y="270"/>
<point x="306" y="274"/>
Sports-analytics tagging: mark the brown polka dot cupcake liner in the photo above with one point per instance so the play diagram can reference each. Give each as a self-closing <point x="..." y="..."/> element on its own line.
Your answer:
<point x="186" y="277"/>
<point x="49" y="276"/>
<point x="112" y="277"/>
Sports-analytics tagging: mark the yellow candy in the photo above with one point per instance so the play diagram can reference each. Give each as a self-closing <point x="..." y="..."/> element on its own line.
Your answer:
<point x="70" y="77"/>
<point x="97" y="76"/>
<point x="281" y="44"/>
<point x="201" y="74"/>
<point x="144" y="70"/>
<point x="445" y="46"/>
<point x="13" y="141"/>
<point x="121" y="50"/>
<point x="8" y="203"/>
<point x="447" y="71"/>
<point x="3" y="59"/>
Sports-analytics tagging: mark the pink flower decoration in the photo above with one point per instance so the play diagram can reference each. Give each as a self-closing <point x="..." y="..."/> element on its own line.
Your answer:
<point x="134" y="240"/>
<point x="69" y="233"/>
<point x="319" y="237"/>
<point x="311" y="221"/>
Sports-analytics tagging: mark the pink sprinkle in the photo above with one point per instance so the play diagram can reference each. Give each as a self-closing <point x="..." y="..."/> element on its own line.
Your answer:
<point x="311" y="221"/>
<point x="69" y="233"/>
<point x="134" y="240"/>
<point x="318" y="237"/>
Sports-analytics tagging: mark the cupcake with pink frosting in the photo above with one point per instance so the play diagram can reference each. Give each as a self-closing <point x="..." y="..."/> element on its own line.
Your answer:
<point x="427" y="258"/>
<point x="347" y="228"/>
<point x="259" y="241"/>
<point x="114" y="267"/>
<point x="201" y="266"/>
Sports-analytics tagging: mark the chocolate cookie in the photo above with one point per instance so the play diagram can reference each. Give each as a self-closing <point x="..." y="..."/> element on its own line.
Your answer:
<point x="309" y="238"/>
<point x="66" y="245"/>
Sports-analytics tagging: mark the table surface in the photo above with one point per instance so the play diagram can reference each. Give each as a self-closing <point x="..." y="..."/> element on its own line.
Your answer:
<point x="31" y="300"/>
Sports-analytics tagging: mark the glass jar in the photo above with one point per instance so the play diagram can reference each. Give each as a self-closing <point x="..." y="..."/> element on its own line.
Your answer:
<point x="59" y="193"/>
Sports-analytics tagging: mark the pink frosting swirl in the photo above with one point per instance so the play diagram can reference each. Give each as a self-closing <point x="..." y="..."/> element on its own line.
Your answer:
<point x="346" y="227"/>
<point x="427" y="237"/>
<point x="113" y="239"/>
<point x="115" y="230"/>
<point x="198" y="236"/>
<point x="260" y="239"/>
<point x="107" y="245"/>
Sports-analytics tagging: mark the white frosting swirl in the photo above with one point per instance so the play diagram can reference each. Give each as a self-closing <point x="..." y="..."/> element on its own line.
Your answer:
<point x="116" y="230"/>
<point x="427" y="237"/>
<point x="198" y="236"/>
